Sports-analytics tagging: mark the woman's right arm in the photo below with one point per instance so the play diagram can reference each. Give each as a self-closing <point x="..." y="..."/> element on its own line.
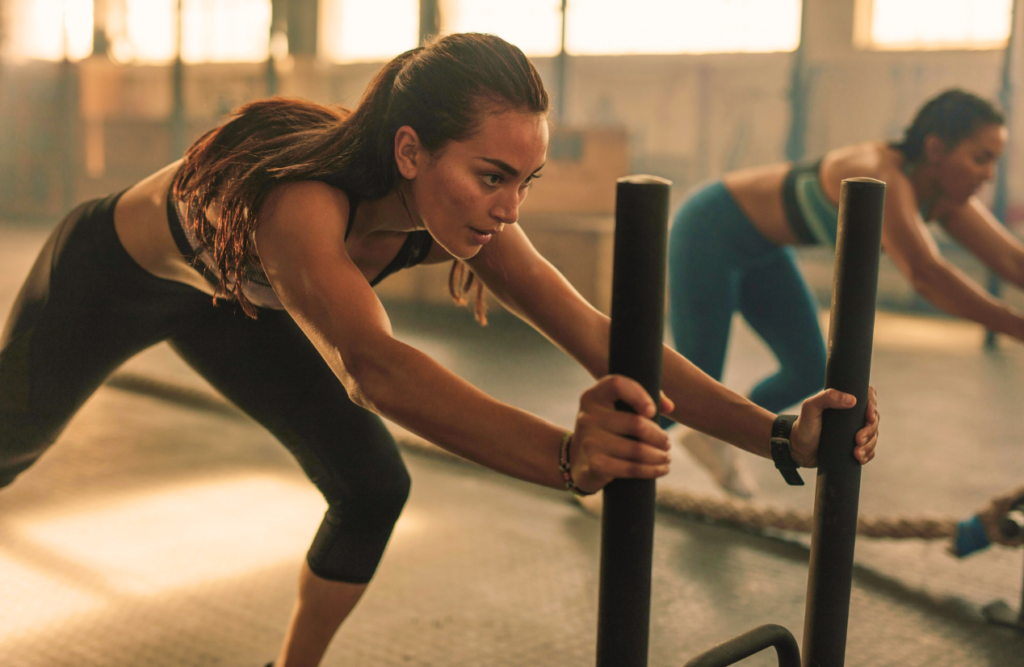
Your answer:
<point x="906" y="239"/>
<point x="300" y="239"/>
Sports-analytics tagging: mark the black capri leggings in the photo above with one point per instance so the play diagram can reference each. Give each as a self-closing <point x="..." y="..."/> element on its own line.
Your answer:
<point x="86" y="307"/>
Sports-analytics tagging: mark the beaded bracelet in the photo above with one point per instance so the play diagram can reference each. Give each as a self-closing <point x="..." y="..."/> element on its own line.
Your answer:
<point x="566" y="470"/>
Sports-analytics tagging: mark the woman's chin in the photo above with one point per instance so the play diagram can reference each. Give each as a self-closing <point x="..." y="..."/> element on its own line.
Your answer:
<point x="461" y="251"/>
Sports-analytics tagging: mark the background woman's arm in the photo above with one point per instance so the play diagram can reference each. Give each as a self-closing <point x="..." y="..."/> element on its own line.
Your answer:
<point x="975" y="228"/>
<point x="906" y="239"/>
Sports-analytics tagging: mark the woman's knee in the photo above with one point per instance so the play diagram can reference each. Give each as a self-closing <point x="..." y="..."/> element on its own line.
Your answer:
<point x="811" y="368"/>
<point x="357" y="526"/>
<point x="380" y="500"/>
<point x="805" y="378"/>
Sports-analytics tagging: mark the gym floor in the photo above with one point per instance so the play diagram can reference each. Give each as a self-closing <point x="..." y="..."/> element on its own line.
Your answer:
<point x="155" y="534"/>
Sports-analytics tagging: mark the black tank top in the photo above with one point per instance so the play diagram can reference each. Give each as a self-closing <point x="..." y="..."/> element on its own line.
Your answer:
<point x="255" y="284"/>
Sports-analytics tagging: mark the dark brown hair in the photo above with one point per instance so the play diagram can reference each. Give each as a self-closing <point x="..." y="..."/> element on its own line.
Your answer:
<point x="441" y="90"/>
<point x="953" y="115"/>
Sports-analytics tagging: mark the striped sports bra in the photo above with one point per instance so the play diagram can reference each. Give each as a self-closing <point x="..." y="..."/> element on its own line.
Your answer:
<point x="255" y="284"/>
<point x="812" y="216"/>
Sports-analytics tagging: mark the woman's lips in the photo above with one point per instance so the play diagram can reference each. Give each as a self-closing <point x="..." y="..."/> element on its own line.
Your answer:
<point x="481" y="236"/>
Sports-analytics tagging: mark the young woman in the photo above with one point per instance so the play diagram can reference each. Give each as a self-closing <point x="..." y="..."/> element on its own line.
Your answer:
<point x="730" y="249"/>
<point x="254" y="257"/>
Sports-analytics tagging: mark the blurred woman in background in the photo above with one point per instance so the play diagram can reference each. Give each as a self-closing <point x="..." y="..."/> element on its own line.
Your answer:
<point x="731" y="248"/>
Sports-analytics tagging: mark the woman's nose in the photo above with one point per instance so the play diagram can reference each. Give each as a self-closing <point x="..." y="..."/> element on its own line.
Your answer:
<point x="507" y="210"/>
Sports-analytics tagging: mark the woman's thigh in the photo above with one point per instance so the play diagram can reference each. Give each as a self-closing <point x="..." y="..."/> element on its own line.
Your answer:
<point x="84" y="309"/>
<point x="703" y="275"/>
<point x="776" y="301"/>
<point x="269" y="369"/>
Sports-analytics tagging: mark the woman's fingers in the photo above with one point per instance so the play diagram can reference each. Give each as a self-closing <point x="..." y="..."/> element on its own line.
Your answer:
<point x="807" y="429"/>
<point x="628" y="449"/>
<point x="830" y="399"/>
<point x="615" y="468"/>
<point x="667" y="406"/>
<point x="867" y="437"/>
<point x="613" y="388"/>
<point x="611" y="444"/>
<point x="866" y="452"/>
<point x="629" y="425"/>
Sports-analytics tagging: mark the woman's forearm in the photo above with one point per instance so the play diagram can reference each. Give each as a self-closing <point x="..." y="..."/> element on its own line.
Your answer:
<point x="706" y="405"/>
<point x="949" y="289"/>
<point x="701" y="402"/>
<point x="411" y="389"/>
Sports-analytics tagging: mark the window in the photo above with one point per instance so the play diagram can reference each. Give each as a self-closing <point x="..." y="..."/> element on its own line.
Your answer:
<point x="535" y="26"/>
<point x="599" y="27"/>
<point x="932" y="24"/>
<point x="224" y="30"/>
<point x="368" y="31"/>
<point x="48" y="29"/>
<point x="143" y="31"/>
<point x="146" y="31"/>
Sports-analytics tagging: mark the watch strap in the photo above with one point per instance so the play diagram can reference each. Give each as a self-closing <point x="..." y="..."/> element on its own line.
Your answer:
<point x="782" y="453"/>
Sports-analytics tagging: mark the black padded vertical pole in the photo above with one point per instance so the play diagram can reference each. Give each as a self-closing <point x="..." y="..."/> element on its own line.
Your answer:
<point x="848" y="369"/>
<point x="638" y="304"/>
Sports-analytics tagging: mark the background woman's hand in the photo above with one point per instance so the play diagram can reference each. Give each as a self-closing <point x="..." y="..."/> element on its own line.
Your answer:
<point x="807" y="429"/>
<point x="608" y="444"/>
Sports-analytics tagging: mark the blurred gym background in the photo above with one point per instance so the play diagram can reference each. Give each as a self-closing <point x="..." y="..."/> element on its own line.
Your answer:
<point x="155" y="533"/>
<point x="96" y="94"/>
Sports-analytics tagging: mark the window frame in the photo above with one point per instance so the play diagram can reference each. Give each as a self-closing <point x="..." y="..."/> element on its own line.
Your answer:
<point x="864" y="11"/>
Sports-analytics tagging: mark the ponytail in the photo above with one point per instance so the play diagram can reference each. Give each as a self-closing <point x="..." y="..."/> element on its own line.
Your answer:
<point x="440" y="90"/>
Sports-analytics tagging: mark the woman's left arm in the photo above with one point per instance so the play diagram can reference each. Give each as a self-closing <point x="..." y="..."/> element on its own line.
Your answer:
<point x="975" y="228"/>
<point x="529" y="286"/>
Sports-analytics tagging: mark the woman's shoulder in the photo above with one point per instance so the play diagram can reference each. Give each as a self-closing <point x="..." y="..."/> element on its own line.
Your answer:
<point x="873" y="159"/>
<point x="308" y="200"/>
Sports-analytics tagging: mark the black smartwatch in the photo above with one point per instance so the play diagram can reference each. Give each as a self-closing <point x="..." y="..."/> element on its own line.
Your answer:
<point x="781" y="452"/>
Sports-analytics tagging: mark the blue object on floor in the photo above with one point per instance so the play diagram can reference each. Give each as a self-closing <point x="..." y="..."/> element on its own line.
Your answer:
<point x="970" y="537"/>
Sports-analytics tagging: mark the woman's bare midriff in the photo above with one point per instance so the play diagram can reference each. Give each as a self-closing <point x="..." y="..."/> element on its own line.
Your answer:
<point x="140" y="219"/>
<point x="758" y="193"/>
<point x="758" y="190"/>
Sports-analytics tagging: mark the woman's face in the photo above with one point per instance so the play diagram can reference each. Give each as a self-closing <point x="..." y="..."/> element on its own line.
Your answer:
<point x="469" y="190"/>
<point x="968" y="165"/>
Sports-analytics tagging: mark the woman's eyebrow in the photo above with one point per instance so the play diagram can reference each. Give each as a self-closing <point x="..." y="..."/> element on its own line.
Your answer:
<point x="506" y="167"/>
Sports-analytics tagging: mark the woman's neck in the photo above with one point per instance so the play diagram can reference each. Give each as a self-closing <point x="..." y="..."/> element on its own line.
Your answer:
<point x="924" y="183"/>
<point x="391" y="213"/>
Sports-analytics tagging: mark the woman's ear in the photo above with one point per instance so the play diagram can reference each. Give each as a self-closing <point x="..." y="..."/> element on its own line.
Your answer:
<point x="934" y="148"/>
<point x="408" y="152"/>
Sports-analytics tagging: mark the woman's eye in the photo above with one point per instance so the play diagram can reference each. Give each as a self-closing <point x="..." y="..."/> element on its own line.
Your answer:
<point x="492" y="179"/>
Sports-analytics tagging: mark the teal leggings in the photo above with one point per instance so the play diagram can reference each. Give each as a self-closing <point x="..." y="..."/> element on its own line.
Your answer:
<point x="718" y="262"/>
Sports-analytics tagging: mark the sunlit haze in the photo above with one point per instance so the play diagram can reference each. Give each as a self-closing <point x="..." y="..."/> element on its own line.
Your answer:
<point x="225" y="30"/>
<point x="145" y="31"/>
<point x="682" y="26"/>
<point x="535" y="26"/>
<point x="932" y="24"/>
<point x="361" y="31"/>
<point x="39" y="29"/>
